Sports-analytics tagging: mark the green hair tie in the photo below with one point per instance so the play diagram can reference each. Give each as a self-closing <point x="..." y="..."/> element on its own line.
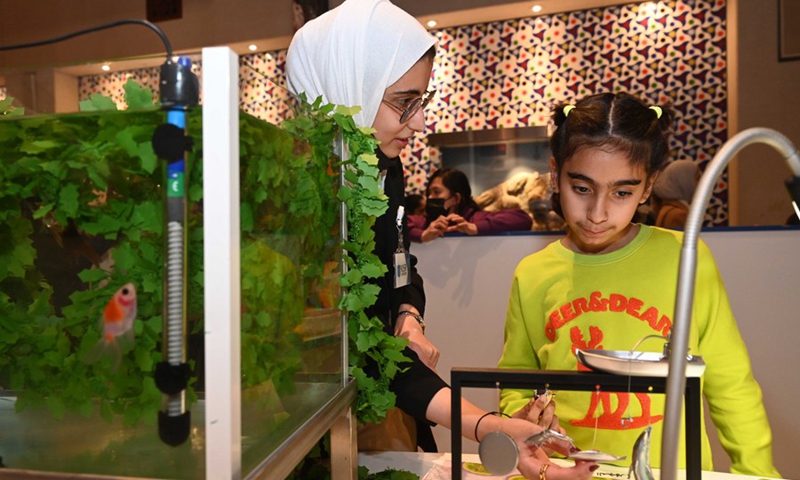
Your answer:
<point x="568" y="109"/>
<point x="658" y="110"/>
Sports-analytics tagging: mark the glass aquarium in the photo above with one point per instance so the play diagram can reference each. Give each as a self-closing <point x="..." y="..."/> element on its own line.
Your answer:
<point x="85" y="236"/>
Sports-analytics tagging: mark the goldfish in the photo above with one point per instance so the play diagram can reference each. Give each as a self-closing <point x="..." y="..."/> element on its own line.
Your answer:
<point x="117" y="325"/>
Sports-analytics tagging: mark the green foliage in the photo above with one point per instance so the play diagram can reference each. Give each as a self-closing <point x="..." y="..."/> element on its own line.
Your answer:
<point x="390" y="474"/>
<point x="365" y="201"/>
<point x="79" y="191"/>
<point x="9" y="110"/>
<point x="72" y="198"/>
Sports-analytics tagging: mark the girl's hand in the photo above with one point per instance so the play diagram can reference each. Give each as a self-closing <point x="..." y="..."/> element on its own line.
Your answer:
<point x="436" y="229"/>
<point x="457" y="223"/>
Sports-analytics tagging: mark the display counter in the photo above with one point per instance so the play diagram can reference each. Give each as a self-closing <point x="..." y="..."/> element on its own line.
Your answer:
<point x="436" y="466"/>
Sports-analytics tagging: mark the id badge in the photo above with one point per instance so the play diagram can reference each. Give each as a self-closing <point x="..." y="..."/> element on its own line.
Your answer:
<point x="401" y="278"/>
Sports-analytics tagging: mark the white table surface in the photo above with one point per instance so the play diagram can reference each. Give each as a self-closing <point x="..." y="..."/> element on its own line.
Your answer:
<point x="422" y="463"/>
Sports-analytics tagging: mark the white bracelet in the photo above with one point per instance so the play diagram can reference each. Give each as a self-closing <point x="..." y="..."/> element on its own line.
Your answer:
<point x="416" y="317"/>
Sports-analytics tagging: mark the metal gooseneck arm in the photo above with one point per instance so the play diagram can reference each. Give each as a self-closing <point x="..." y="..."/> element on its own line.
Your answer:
<point x="676" y="379"/>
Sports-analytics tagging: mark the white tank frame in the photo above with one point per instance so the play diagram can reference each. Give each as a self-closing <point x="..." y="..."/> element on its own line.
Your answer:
<point x="223" y="442"/>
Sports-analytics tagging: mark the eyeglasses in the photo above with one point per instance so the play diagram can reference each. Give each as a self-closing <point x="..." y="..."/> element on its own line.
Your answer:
<point x="413" y="107"/>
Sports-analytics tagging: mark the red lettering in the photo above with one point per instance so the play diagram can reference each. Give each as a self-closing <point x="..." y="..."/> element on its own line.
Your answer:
<point x="550" y="331"/>
<point x="566" y="311"/>
<point x="554" y="322"/>
<point x="650" y="316"/>
<point x="596" y="302"/>
<point x="634" y="304"/>
<point x="580" y="305"/>
<point x="664" y="325"/>
<point x="618" y="303"/>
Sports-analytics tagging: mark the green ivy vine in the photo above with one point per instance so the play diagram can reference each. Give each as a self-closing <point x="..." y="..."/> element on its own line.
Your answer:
<point x="365" y="201"/>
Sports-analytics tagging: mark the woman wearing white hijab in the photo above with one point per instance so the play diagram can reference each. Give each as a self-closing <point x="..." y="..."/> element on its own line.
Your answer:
<point x="372" y="54"/>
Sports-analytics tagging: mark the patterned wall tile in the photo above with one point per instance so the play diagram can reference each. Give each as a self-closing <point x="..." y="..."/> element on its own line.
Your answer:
<point x="511" y="73"/>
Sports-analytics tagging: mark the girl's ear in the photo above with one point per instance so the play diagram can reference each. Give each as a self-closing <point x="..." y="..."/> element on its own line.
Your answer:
<point x="649" y="190"/>
<point x="553" y="175"/>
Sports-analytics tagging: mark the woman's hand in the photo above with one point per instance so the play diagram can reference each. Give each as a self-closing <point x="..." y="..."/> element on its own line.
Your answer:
<point x="531" y="465"/>
<point x="542" y="412"/>
<point x="457" y="223"/>
<point x="407" y="327"/>
<point x="436" y="229"/>
<point x="531" y="458"/>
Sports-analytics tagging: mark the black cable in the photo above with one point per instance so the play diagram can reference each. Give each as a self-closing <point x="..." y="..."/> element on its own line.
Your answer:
<point x="151" y="25"/>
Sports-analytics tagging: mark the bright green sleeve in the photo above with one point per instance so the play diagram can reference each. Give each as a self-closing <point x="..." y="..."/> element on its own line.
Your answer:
<point x="734" y="397"/>
<point x="518" y="352"/>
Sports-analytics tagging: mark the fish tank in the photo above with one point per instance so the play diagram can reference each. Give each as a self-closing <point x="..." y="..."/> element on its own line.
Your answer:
<point x="242" y="369"/>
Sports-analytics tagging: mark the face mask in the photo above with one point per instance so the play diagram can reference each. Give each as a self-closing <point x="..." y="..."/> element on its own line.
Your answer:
<point x="434" y="208"/>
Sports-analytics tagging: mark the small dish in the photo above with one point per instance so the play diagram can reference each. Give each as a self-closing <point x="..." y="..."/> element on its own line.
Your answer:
<point x="636" y="364"/>
<point x="595" y="456"/>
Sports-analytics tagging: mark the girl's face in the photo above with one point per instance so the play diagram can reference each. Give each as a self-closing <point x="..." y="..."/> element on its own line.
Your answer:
<point x="437" y="190"/>
<point x="392" y="134"/>
<point x="600" y="192"/>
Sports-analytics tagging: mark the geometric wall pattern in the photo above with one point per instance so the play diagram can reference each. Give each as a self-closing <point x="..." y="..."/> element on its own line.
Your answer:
<point x="511" y="73"/>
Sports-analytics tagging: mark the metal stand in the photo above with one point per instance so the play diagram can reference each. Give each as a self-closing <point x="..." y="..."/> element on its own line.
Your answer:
<point x="573" y="381"/>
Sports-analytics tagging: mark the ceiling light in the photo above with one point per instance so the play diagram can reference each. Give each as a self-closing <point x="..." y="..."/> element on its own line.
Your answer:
<point x="649" y="8"/>
<point x="431" y="23"/>
<point x="536" y="8"/>
<point x="105" y="67"/>
<point x="252" y="47"/>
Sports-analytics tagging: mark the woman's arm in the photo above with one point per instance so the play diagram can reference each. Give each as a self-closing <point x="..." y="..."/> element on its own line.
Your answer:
<point x="531" y="460"/>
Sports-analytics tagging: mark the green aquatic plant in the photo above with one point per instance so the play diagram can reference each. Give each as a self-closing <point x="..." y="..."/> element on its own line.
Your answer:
<point x="78" y="193"/>
<point x="8" y="109"/>
<point x="81" y="213"/>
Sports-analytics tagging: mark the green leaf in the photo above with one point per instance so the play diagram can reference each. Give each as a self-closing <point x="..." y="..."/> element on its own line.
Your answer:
<point x="37" y="146"/>
<point x="5" y="104"/>
<point x="125" y="139"/>
<point x="43" y="210"/>
<point x="246" y="214"/>
<point x="68" y="199"/>
<point x="148" y="157"/>
<point x="149" y="216"/>
<point x="93" y="275"/>
<point x="373" y="270"/>
<point x="349" y="111"/>
<point x="56" y="406"/>
<point x="143" y="360"/>
<point x="137" y="96"/>
<point x="97" y="102"/>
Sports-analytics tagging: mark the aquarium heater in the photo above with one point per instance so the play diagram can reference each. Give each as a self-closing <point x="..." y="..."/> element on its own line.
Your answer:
<point x="179" y="90"/>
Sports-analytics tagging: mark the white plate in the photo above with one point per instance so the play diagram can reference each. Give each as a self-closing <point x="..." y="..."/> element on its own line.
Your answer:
<point x="636" y="364"/>
<point x="595" y="456"/>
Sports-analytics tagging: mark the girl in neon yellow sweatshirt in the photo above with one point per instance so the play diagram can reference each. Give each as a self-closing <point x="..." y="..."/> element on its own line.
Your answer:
<point x="610" y="282"/>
